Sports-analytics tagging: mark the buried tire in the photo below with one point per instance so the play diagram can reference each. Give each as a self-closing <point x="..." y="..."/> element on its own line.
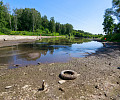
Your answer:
<point x="68" y="74"/>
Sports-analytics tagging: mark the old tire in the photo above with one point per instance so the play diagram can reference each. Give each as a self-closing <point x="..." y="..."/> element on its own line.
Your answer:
<point x="68" y="74"/>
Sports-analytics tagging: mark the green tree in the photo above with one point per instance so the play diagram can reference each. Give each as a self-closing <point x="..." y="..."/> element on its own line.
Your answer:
<point x="3" y="15"/>
<point x="69" y="29"/>
<point x="116" y="8"/>
<point x="58" y="28"/>
<point x="52" y="25"/>
<point x="45" y="22"/>
<point x="63" y="29"/>
<point x="108" y="24"/>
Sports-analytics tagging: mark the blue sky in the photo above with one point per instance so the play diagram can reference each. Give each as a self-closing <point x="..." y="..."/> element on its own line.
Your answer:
<point x="85" y="15"/>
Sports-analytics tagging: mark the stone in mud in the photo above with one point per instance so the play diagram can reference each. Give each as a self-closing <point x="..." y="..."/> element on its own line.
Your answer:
<point x="62" y="89"/>
<point x="51" y="74"/>
<point x="118" y="68"/>
<point x="8" y="87"/>
<point x="61" y="81"/>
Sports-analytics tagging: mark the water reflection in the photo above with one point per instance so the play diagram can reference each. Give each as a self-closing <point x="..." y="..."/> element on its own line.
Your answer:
<point x="47" y="51"/>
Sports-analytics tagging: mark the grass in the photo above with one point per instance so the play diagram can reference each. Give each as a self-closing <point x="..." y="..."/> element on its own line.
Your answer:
<point x="2" y="33"/>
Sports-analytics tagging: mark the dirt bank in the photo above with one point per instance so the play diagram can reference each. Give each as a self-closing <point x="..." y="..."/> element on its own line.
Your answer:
<point x="8" y="40"/>
<point x="99" y="79"/>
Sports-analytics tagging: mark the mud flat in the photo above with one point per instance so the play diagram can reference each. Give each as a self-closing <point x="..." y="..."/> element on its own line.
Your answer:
<point x="99" y="79"/>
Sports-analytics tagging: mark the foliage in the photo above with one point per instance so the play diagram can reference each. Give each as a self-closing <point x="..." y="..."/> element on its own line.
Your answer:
<point x="2" y="33"/>
<point x="112" y="29"/>
<point x="52" y="25"/>
<point x="5" y="30"/>
<point x="108" y="24"/>
<point x="4" y="15"/>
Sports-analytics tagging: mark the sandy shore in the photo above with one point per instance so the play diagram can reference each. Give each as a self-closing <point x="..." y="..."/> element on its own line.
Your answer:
<point x="99" y="78"/>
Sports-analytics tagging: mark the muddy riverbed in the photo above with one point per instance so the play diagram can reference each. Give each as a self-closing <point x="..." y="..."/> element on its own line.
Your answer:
<point x="99" y="78"/>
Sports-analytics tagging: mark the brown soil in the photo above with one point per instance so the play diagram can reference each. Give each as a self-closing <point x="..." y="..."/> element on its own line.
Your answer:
<point x="99" y="78"/>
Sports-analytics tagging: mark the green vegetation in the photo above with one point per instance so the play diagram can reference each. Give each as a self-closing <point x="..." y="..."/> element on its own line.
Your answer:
<point x="28" y="21"/>
<point x="63" y="41"/>
<point x="112" y="29"/>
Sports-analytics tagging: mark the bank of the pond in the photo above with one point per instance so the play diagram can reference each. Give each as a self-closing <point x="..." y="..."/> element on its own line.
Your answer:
<point x="8" y="40"/>
<point x="99" y="79"/>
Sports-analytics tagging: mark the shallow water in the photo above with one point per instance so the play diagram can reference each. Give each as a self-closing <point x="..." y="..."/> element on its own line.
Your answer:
<point x="47" y="51"/>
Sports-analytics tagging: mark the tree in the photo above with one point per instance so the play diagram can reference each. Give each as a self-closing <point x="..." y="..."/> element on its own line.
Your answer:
<point x="116" y="8"/>
<point x="63" y="29"/>
<point x="45" y="22"/>
<point x="58" y="28"/>
<point x="69" y="29"/>
<point x="3" y="15"/>
<point x="36" y="19"/>
<point x="52" y="25"/>
<point x="108" y="24"/>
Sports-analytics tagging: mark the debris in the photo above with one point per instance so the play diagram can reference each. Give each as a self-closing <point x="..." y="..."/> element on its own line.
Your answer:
<point x="44" y="86"/>
<point x="51" y="64"/>
<point x="118" y="68"/>
<point x="16" y="65"/>
<point x="40" y="69"/>
<point x="78" y="75"/>
<point x="25" y="86"/>
<point x="62" y="89"/>
<point x="51" y="74"/>
<point x="109" y="63"/>
<point x="117" y="82"/>
<point x="105" y="94"/>
<point x="68" y="75"/>
<point x="39" y="63"/>
<point x="61" y="81"/>
<point x="7" y="87"/>
<point x="25" y="73"/>
<point x="96" y="87"/>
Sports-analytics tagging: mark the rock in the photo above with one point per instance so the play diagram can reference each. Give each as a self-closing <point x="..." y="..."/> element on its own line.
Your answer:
<point x="16" y="65"/>
<point x="51" y="64"/>
<point x="51" y="74"/>
<point x="61" y="81"/>
<point x="26" y="86"/>
<point x="109" y="63"/>
<point x="105" y="94"/>
<point x="96" y="87"/>
<point x="39" y="63"/>
<point x="118" y="68"/>
<point x="62" y="89"/>
<point x="40" y="69"/>
<point x="78" y="75"/>
<point x="25" y="73"/>
<point x="7" y="87"/>
<point x="117" y="82"/>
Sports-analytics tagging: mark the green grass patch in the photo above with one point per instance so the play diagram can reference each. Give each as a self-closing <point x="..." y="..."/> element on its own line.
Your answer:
<point x="39" y="33"/>
<point x="2" y="33"/>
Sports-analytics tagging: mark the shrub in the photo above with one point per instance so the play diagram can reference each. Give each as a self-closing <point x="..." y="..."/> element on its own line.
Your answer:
<point x="5" y="30"/>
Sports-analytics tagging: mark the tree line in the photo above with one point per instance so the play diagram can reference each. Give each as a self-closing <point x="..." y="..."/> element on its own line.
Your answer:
<point x="30" y="20"/>
<point x="112" y="29"/>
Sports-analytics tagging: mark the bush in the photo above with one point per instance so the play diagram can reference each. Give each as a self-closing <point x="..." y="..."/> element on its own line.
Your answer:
<point x="5" y="31"/>
<point x="113" y="37"/>
<point x="2" y="33"/>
